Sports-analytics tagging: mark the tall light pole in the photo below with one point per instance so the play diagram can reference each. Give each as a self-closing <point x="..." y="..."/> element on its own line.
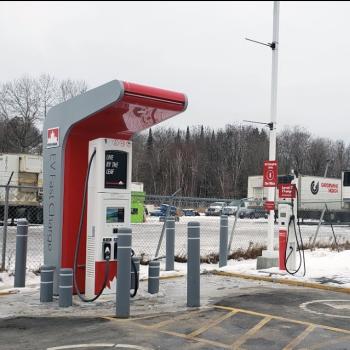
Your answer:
<point x="272" y="147"/>
<point x="270" y="257"/>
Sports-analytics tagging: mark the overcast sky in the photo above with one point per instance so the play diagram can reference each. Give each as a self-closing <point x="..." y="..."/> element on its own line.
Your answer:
<point x="197" y="48"/>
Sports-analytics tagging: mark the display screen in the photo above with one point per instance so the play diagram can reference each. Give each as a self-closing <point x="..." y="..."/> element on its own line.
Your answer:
<point x="114" y="214"/>
<point x="116" y="169"/>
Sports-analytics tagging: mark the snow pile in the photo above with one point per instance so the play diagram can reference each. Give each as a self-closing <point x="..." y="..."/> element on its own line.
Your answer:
<point x="7" y="280"/>
<point x="322" y="266"/>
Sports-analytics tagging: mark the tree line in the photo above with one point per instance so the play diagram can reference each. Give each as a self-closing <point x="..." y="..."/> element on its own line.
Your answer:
<point x="202" y="161"/>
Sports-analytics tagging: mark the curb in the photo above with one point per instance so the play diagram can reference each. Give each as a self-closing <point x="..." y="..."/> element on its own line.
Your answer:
<point x="284" y="281"/>
<point x="10" y="292"/>
<point x="165" y="277"/>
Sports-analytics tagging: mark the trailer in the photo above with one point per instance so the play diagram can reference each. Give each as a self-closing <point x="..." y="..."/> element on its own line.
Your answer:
<point x="314" y="193"/>
<point x="22" y="176"/>
<point x="25" y="173"/>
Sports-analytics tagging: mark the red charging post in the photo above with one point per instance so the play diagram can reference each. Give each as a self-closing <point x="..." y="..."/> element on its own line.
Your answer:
<point x="282" y="248"/>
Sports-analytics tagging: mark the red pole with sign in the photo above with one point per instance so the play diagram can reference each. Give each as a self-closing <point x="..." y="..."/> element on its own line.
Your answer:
<point x="282" y="248"/>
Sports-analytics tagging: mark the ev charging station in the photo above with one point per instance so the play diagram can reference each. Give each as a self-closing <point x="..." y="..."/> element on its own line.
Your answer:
<point x="87" y="176"/>
<point x="289" y="243"/>
<point x="109" y="198"/>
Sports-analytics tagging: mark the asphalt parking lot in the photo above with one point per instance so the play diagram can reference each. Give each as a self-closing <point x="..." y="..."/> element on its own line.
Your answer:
<point x="260" y="316"/>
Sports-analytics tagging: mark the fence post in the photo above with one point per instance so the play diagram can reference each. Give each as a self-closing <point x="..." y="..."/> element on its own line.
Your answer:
<point x="165" y="219"/>
<point x="193" y="264"/>
<point x="170" y="244"/>
<point x="21" y="253"/>
<point x="4" y="236"/>
<point x="124" y="275"/>
<point x="223" y="240"/>
<point x="234" y="227"/>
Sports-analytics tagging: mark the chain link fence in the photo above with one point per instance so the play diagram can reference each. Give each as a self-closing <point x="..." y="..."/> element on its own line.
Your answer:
<point x="250" y="229"/>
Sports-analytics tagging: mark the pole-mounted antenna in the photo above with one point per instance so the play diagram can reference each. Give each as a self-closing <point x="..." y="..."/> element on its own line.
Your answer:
<point x="272" y="45"/>
<point x="269" y="125"/>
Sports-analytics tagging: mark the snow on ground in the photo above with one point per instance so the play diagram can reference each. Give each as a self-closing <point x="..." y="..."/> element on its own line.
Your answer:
<point x="7" y="280"/>
<point x="322" y="266"/>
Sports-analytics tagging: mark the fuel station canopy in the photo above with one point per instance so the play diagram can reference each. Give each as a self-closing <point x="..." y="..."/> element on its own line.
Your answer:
<point x="116" y="110"/>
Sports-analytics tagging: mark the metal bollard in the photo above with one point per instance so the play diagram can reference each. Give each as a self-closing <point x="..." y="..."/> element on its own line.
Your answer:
<point x="170" y="244"/>
<point x="65" y="288"/>
<point x="21" y="253"/>
<point x="46" y="283"/>
<point x="124" y="268"/>
<point x="153" y="277"/>
<point x="193" y="264"/>
<point x="136" y="261"/>
<point x="223" y="240"/>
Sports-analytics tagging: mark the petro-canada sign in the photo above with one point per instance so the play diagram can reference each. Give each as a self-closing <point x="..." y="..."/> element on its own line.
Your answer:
<point x="53" y="137"/>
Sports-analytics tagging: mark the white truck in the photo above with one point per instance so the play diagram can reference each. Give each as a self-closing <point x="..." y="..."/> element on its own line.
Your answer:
<point x="313" y="193"/>
<point x="23" y="173"/>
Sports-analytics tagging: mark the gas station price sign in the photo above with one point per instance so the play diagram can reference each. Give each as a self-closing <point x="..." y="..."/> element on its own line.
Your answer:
<point x="115" y="169"/>
<point x="270" y="173"/>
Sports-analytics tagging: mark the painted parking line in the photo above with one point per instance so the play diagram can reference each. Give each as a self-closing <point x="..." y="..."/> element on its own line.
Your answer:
<point x="296" y="341"/>
<point x="211" y="324"/>
<point x="327" y="344"/>
<point x="176" y="334"/>
<point x="334" y="329"/>
<point x="195" y="335"/>
<point x="242" y="339"/>
<point x="99" y="345"/>
<point x="79" y="346"/>
<point x="178" y="318"/>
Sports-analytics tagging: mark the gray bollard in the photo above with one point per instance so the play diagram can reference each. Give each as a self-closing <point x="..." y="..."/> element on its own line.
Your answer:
<point x="136" y="261"/>
<point x="21" y="253"/>
<point x="193" y="264"/>
<point x="65" y="288"/>
<point x="170" y="244"/>
<point x="153" y="277"/>
<point x="46" y="283"/>
<point x="223" y="240"/>
<point x="124" y="268"/>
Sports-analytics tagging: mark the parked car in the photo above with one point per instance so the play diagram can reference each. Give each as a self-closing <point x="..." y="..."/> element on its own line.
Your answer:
<point x="190" y="212"/>
<point x="162" y="210"/>
<point x="215" y="208"/>
<point x="252" y="212"/>
<point x="231" y="208"/>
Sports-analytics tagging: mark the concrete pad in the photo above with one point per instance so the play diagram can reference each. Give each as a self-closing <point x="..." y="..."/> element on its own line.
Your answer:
<point x="266" y="262"/>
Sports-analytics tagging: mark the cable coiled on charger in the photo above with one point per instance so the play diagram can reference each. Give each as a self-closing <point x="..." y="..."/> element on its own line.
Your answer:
<point x="299" y="246"/>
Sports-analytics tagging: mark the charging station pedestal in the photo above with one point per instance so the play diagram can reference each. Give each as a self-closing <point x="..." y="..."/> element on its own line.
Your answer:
<point x="287" y="218"/>
<point x="287" y="246"/>
<point x="116" y="110"/>
<point x="108" y="208"/>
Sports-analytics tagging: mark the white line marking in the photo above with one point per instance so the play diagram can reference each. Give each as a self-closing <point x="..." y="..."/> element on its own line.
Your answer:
<point x="128" y="346"/>
<point x="304" y="306"/>
<point x="79" y="346"/>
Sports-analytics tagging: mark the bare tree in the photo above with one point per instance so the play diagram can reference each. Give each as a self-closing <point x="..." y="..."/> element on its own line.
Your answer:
<point x="24" y="104"/>
<point x="48" y="86"/>
<point x="70" y="88"/>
